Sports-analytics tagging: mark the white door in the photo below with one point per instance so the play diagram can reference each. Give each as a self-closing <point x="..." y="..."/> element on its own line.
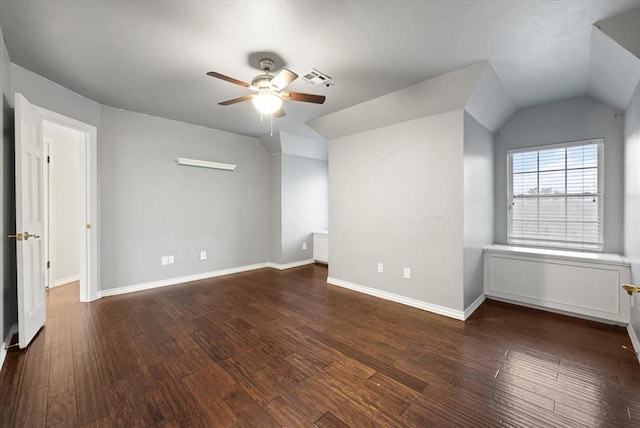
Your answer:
<point x="29" y="220"/>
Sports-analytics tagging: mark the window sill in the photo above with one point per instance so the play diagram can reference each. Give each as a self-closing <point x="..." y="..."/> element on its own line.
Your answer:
<point x="604" y="258"/>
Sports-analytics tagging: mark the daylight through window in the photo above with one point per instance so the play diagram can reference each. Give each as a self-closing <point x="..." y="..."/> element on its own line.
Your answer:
<point x="555" y="196"/>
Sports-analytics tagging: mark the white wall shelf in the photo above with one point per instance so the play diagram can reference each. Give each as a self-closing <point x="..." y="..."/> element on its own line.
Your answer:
<point x="206" y="164"/>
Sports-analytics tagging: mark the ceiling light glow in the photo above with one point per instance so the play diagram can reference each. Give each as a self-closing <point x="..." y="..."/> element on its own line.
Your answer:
<point x="267" y="102"/>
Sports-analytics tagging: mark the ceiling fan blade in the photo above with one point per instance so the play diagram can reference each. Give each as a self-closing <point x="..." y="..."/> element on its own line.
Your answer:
<point x="279" y="113"/>
<point x="282" y="79"/>
<point x="307" y="98"/>
<point x="229" y="79"/>
<point x="236" y="100"/>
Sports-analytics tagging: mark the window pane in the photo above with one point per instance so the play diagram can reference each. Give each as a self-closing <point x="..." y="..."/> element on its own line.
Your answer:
<point x="525" y="184"/>
<point x="552" y="182"/>
<point x="552" y="218"/>
<point x="525" y="229"/>
<point x="587" y="232"/>
<point x="525" y="209"/>
<point x="525" y="162"/>
<point x="552" y="159"/>
<point x="582" y="156"/>
<point x="582" y="181"/>
<point x="552" y="209"/>
<point x="552" y="230"/>
<point x="582" y="209"/>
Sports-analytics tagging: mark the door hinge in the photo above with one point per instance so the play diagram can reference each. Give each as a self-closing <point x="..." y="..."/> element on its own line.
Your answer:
<point x="48" y="264"/>
<point x="48" y="159"/>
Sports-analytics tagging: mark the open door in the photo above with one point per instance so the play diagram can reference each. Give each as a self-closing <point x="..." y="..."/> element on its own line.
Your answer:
<point x="29" y="220"/>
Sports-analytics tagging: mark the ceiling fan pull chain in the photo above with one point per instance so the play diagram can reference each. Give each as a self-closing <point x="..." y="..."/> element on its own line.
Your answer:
<point x="271" y="116"/>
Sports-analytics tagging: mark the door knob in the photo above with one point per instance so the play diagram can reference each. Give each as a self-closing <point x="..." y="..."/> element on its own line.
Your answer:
<point x="631" y="289"/>
<point x="28" y="235"/>
<point x="17" y="236"/>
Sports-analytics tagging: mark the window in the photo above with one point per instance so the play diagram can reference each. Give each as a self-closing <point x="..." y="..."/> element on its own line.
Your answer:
<point x="555" y="196"/>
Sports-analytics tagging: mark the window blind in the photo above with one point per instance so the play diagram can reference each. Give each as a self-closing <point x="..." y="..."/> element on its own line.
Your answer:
<point x="555" y="195"/>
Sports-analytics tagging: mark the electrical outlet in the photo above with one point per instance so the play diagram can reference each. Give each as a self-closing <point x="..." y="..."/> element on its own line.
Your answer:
<point x="164" y="260"/>
<point x="304" y="245"/>
<point x="171" y="260"/>
<point x="406" y="274"/>
<point x="203" y="255"/>
<point x="380" y="268"/>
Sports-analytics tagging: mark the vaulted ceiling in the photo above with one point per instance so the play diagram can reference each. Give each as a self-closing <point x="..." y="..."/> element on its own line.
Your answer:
<point x="151" y="57"/>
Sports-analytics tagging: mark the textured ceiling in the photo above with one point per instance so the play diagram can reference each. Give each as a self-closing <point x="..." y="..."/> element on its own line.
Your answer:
<point x="152" y="57"/>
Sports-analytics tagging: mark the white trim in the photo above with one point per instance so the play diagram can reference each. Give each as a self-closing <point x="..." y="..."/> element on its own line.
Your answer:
<point x="547" y="253"/>
<point x="430" y="307"/>
<point x="635" y="341"/>
<point x="475" y="305"/>
<point x="587" y="142"/>
<point x="290" y="265"/>
<point x="178" y="280"/>
<point x="7" y="341"/>
<point x="63" y="281"/>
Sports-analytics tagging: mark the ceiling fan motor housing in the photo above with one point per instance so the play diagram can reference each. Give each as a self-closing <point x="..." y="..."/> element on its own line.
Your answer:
<point x="267" y="64"/>
<point x="262" y="81"/>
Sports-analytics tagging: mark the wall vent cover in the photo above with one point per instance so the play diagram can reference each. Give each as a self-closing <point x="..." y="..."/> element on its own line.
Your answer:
<point x="314" y="77"/>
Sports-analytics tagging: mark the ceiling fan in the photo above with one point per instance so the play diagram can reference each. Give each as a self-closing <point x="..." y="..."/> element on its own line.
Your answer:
<point x="269" y="88"/>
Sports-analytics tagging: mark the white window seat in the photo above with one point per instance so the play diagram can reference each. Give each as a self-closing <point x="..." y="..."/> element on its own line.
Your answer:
<point x="577" y="283"/>
<point x="607" y="258"/>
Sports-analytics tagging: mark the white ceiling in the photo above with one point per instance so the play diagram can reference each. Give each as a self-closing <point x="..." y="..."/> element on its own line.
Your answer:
<point x="151" y="57"/>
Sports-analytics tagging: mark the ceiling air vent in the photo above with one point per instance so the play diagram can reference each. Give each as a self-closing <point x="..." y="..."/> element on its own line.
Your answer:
<point x="313" y="77"/>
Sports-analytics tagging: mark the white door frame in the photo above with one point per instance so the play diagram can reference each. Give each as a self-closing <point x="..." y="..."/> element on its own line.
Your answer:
<point x="89" y="267"/>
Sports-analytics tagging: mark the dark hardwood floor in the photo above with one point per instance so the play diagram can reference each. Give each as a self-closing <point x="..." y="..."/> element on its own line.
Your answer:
<point x="283" y="348"/>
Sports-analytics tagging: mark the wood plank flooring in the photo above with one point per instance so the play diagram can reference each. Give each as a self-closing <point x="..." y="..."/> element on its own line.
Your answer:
<point x="272" y="348"/>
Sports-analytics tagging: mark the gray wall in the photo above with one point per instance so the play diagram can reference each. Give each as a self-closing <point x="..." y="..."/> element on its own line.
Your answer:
<point x="632" y="197"/>
<point x="275" y="204"/>
<point x="8" y="291"/>
<point x="151" y="207"/>
<point x="304" y="204"/>
<point x="395" y="197"/>
<point x="571" y="120"/>
<point x="478" y="204"/>
<point x="47" y="94"/>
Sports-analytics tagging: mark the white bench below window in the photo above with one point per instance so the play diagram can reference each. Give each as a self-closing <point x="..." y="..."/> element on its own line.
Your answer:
<point x="582" y="284"/>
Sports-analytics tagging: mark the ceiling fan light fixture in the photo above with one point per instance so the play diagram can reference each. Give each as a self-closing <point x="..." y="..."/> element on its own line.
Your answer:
<point x="267" y="102"/>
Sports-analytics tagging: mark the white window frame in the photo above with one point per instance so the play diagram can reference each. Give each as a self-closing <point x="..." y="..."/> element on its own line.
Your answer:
<point x="514" y="239"/>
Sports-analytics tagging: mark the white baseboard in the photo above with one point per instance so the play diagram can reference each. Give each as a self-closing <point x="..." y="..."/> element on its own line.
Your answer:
<point x="5" y="344"/>
<point x="635" y="341"/>
<point x="475" y="305"/>
<point x="290" y="265"/>
<point x="177" y="280"/>
<point x="430" y="307"/>
<point x="63" y="281"/>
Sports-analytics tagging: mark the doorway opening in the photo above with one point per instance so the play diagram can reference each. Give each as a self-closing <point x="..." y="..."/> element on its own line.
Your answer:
<point x="61" y="192"/>
<point x="86" y="223"/>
